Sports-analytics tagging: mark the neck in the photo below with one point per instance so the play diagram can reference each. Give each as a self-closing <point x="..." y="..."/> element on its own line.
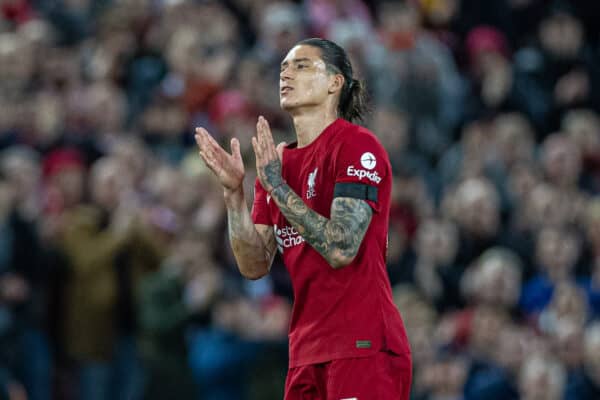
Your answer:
<point x="309" y="125"/>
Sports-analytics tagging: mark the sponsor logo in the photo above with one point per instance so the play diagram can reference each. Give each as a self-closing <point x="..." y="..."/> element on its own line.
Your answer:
<point x="287" y="237"/>
<point x="361" y="173"/>
<point x="310" y="193"/>
<point x="368" y="160"/>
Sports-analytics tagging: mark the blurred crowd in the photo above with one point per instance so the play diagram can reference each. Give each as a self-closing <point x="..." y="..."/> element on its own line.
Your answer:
<point x="116" y="278"/>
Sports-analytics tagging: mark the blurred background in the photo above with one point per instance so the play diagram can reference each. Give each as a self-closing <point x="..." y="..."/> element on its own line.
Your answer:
<point x="116" y="278"/>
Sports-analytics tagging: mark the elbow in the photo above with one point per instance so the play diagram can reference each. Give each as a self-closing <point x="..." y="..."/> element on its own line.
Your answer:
<point x="255" y="274"/>
<point x="340" y="259"/>
<point x="253" y="277"/>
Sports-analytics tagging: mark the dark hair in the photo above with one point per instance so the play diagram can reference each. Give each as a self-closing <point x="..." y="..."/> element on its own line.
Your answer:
<point x="352" y="105"/>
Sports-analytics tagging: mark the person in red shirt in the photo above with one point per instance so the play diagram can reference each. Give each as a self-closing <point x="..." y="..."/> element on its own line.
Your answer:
<point x="323" y="202"/>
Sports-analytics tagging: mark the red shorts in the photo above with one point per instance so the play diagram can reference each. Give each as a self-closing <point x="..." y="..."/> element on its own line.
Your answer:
<point x="383" y="376"/>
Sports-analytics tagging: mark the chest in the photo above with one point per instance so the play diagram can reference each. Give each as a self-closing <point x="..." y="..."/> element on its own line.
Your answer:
<point x="312" y="177"/>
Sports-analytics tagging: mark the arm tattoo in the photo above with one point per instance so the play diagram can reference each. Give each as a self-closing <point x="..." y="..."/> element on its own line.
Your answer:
<point x="337" y="239"/>
<point x="253" y="252"/>
<point x="272" y="172"/>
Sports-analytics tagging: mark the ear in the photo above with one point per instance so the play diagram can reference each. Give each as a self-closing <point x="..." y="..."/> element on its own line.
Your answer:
<point x="336" y="83"/>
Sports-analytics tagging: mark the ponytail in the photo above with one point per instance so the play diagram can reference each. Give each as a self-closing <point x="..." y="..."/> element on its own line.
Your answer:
<point x="353" y="102"/>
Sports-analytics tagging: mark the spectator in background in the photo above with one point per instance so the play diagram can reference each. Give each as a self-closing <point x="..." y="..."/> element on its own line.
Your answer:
<point x="435" y="272"/>
<point x="561" y="160"/>
<point x="25" y="275"/>
<point x="466" y="158"/>
<point x="445" y="377"/>
<point x="544" y="206"/>
<point x="567" y="342"/>
<point x="108" y="249"/>
<point x="475" y="206"/>
<point x="583" y="128"/>
<point x="541" y="377"/>
<point x="559" y="72"/>
<point x="513" y="139"/>
<point x="21" y="165"/>
<point x="23" y="344"/>
<point x="497" y="380"/>
<point x="557" y="252"/>
<point x="169" y="298"/>
<point x="494" y="279"/>
<point x="567" y="311"/>
<point x="494" y="82"/>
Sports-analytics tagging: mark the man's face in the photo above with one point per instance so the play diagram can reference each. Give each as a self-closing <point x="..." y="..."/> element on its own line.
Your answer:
<point x="304" y="80"/>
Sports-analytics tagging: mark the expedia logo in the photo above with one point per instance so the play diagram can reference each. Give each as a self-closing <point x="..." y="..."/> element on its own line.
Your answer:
<point x="287" y="237"/>
<point x="361" y="173"/>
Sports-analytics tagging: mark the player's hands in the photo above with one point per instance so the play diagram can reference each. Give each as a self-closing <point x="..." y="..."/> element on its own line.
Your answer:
<point x="228" y="168"/>
<point x="268" y="157"/>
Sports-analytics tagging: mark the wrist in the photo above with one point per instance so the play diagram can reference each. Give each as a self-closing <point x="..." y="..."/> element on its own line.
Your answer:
<point x="233" y="197"/>
<point x="276" y="185"/>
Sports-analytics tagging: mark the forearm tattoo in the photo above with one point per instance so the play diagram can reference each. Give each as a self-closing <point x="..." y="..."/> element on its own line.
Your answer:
<point x="251" y="249"/>
<point x="272" y="173"/>
<point x="337" y="239"/>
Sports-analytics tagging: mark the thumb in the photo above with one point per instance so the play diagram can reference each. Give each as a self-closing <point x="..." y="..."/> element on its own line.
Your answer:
<point x="279" y="149"/>
<point x="235" y="149"/>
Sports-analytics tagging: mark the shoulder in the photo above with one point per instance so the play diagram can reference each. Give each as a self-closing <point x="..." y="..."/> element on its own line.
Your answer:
<point x="353" y="139"/>
<point x="353" y="134"/>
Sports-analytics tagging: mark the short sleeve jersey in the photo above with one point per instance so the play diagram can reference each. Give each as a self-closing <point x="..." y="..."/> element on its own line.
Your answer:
<point x="346" y="312"/>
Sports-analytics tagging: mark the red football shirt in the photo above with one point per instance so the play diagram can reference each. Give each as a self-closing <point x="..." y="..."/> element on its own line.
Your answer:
<point x="346" y="312"/>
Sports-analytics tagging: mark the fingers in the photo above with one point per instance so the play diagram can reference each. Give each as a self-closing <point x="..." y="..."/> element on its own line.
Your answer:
<point x="209" y="159"/>
<point x="257" y="149"/>
<point x="200" y="136"/>
<point x="265" y="138"/>
<point x="208" y="151"/>
<point x="206" y="141"/>
<point x="235" y="150"/>
<point x="260" y="136"/>
<point x="209" y="140"/>
<point x="267" y="132"/>
<point x="279" y="150"/>
<point x="202" y="142"/>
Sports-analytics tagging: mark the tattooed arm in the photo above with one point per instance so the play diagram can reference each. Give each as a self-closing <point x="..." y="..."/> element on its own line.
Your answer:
<point x="253" y="245"/>
<point x="337" y="239"/>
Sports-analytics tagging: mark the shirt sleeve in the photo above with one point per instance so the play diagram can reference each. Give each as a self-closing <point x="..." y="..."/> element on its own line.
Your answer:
<point x="363" y="161"/>
<point x="260" y="207"/>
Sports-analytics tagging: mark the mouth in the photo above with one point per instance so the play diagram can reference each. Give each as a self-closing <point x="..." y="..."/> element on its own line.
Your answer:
<point x="286" y="89"/>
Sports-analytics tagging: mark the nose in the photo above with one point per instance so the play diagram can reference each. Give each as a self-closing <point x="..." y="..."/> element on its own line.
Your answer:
<point x="285" y="74"/>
